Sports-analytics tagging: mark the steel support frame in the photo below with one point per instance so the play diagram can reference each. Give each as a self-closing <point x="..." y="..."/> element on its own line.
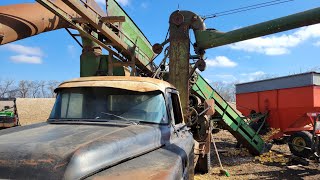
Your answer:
<point x="83" y="30"/>
<point x="179" y="52"/>
<point x="179" y="62"/>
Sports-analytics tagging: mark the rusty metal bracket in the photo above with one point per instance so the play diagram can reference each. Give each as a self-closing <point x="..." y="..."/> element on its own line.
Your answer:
<point x="93" y="19"/>
<point x="79" y="20"/>
<point x="74" y="37"/>
<point x="54" y="9"/>
<point x="106" y="38"/>
<point x="112" y="19"/>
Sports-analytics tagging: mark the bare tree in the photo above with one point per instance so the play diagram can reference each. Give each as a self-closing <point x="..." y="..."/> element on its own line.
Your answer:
<point x="226" y="90"/>
<point x="52" y="85"/>
<point x="23" y="88"/>
<point x="35" y="88"/>
<point x="13" y="93"/>
<point x="43" y="85"/>
<point x="5" y="87"/>
<point x="26" y="88"/>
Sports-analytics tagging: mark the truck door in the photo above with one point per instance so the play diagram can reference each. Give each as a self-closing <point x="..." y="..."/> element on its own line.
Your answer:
<point x="179" y="131"/>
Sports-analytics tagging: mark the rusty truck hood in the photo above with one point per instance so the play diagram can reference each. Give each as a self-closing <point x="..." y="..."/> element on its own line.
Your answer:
<point x="73" y="151"/>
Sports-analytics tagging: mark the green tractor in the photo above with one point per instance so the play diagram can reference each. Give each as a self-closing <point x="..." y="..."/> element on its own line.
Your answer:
<point x="8" y="114"/>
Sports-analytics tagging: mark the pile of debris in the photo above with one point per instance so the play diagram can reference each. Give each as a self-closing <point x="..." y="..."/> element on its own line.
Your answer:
<point x="272" y="157"/>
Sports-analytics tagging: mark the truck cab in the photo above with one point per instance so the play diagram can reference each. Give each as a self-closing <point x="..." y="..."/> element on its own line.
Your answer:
<point x="104" y="127"/>
<point x="137" y="100"/>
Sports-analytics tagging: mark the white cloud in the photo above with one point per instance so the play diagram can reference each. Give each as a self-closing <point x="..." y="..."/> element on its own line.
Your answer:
<point x="121" y="2"/>
<point x="257" y="73"/>
<point x="317" y="44"/>
<point x="225" y="78"/>
<point x="278" y="45"/>
<point x="25" y="54"/>
<point x="26" y="50"/>
<point x="252" y="76"/>
<point x="237" y="78"/>
<point x="220" y="61"/>
<point x="26" y="59"/>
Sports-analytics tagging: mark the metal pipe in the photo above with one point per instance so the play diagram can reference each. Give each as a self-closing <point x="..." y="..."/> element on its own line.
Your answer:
<point x="20" y="21"/>
<point x="212" y="38"/>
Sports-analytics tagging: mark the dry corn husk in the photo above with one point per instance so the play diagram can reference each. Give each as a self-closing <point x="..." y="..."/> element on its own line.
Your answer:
<point x="236" y="152"/>
<point x="272" y="157"/>
<point x="272" y="132"/>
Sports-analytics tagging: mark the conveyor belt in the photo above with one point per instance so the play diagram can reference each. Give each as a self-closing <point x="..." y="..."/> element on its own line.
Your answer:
<point x="230" y="119"/>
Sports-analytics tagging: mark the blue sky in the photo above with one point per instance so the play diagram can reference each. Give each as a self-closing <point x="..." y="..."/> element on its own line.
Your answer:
<point x="55" y="55"/>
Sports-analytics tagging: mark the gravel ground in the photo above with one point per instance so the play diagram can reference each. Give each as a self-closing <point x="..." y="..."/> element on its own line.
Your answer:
<point x="275" y="164"/>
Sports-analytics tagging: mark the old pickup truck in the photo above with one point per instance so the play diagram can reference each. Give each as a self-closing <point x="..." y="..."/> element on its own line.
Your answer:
<point x="104" y="128"/>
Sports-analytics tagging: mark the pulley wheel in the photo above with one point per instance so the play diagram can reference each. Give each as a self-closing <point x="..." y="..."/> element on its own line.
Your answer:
<point x="157" y="48"/>
<point x="201" y="65"/>
<point x="200" y="130"/>
<point x="177" y="18"/>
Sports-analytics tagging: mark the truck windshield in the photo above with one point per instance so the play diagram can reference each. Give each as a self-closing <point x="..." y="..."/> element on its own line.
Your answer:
<point x="105" y="104"/>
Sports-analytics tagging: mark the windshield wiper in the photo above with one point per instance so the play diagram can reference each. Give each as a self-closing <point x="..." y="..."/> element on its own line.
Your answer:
<point x="110" y="114"/>
<point x="120" y="117"/>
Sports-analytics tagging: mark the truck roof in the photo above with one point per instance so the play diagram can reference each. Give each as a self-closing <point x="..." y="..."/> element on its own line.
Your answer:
<point x="132" y="83"/>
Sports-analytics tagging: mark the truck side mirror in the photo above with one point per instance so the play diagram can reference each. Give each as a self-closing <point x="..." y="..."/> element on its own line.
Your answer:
<point x="209" y="107"/>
